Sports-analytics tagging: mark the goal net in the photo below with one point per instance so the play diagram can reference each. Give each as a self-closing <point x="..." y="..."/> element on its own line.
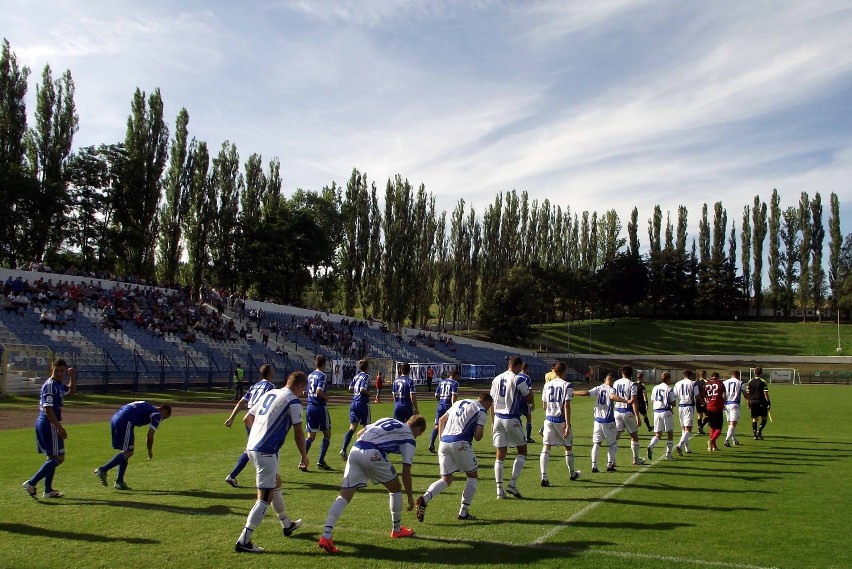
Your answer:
<point x="779" y="375"/>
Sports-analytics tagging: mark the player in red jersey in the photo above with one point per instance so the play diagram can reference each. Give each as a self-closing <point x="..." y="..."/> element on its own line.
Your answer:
<point x="714" y="398"/>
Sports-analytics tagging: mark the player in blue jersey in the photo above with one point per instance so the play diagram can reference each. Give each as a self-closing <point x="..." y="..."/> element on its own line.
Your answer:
<point x="507" y="391"/>
<point x="463" y="422"/>
<point x="136" y="414"/>
<point x="50" y="434"/>
<point x="368" y="462"/>
<point x="445" y="393"/>
<point x="359" y="409"/>
<point x="317" y="416"/>
<point x="527" y="407"/>
<point x="270" y="419"/>
<point x="267" y="374"/>
<point x="404" y="398"/>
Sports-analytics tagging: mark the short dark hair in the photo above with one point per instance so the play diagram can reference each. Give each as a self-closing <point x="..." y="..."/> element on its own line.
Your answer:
<point x="559" y="367"/>
<point x="364" y="364"/>
<point x="735" y="373"/>
<point x="758" y="371"/>
<point x="297" y="378"/>
<point x="167" y="409"/>
<point x="405" y="368"/>
<point x="417" y="421"/>
<point x="454" y="372"/>
<point x="516" y="361"/>
<point x="60" y="362"/>
<point x="627" y="371"/>
<point x="687" y="373"/>
<point x="265" y="370"/>
<point x="319" y="361"/>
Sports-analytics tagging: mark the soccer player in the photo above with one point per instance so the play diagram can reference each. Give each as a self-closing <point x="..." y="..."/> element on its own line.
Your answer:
<point x="368" y="462"/>
<point x="714" y="399"/>
<point x="380" y="383"/>
<point x="642" y="399"/>
<point x="445" y="393"/>
<point x="627" y="414"/>
<point x="527" y="408"/>
<point x="604" y="425"/>
<point x="733" y="391"/>
<point x="463" y="422"/>
<point x="700" y="407"/>
<point x="250" y="398"/>
<point x="239" y="373"/>
<point x="556" y="402"/>
<point x="758" y="402"/>
<point x="507" y="391"/>
<point x="136" y="414"/>
<point x="270" y="419"/>
<point x="404" y="398"/>
<point x="317" y="416"/>
<point x="686" y="391"/>
<point x="359" y="409"/>
<point x="663" y="397"/>
<point x="50" y="434"/>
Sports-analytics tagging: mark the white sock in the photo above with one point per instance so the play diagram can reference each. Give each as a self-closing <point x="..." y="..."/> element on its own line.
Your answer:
<point x="569" y="460"/>
<point x="334" y="513"/>
<point x="517" y="466"/>
<point x="595" y="448"/>
<point x="734" y="432"/>
<point x="682" y="438"/>
<point x="634" y="448"/>
<point x="280" y="507"/>
<point x="498" y="475"/>
<point x="396" y="510"/>
<point x="654" y="440"/>
<point x="613" y="450"/>
<point x="435" y="488"/>
<point x="467" y="495"/>
<point x="254" y="518"/>
<point x="543" y="459"/>
<point x="686" y="437"/>
<point x="730" y="434"/>
<point x="669" y="446"/>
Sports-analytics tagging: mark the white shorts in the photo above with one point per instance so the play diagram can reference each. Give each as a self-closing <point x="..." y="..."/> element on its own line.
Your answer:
<point x="663" y="422"/>
<point x="367" y="465"/>
<point x="553" y="435"/>
<point x="626" y="422"/>
<point x="733" y="411"/>
<point x="267" y="469"/>
<point x="603" y="432"/>
<point x="508" y="433"/>
<point x="687" y="416"/>
<point x="457" y="456"/>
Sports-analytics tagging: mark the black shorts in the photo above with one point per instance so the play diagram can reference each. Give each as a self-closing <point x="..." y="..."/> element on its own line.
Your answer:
<point x="700" y="408"/>
<point x="758" y="410"/>
<point x="643" y="410"/>
<point x="715" y="419"/>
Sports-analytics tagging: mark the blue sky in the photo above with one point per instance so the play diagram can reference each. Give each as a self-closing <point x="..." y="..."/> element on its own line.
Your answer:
<point x="593" y="105"/>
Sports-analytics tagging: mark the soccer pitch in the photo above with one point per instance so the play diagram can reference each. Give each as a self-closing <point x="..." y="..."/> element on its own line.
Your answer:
<point x="782" y="502"/>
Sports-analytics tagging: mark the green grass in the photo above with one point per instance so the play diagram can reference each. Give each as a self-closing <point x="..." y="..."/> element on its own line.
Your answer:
<point x="782" y="502"/>
<point x="120" y="398"/>
<point x="708" y="337"/>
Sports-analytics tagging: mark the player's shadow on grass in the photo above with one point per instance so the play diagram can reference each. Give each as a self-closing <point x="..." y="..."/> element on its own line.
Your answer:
<point x="665" y="488"/>
<point x="212" y="510"/>
<point x="659" y="526"/>
<point x="241" y="494"/>
<point x="679" y="506"/>
<point x="24" y="529"/>
<point x="704" y="474"/>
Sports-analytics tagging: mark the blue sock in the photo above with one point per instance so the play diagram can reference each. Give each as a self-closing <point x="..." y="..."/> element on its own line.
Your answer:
<point x="115" y="461"/>
<point x="48" y="476"/>
<point x="49" y="466"/>
<point x="308" y="443"/>
<point x="347" y="438"/>
<point x="434" y="436"/>
<point x="529" y="429"/>
<point x="241" y="464"/>
<point x="326" y="442"/>
<point x="122" y="468"/>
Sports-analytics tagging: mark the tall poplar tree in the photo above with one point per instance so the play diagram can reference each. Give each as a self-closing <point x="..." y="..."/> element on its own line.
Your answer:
<point x="177" y="200"/>
<point x="774" y="271"/>
<point x="633" y="233"/>
<point x="745" y="236"/>
<point x="805" y="253"/>
<point x="790" y="255"/>
<point x="758" y="217"/>
<point x="817" y="242"/>
<point x="835" y="245"/>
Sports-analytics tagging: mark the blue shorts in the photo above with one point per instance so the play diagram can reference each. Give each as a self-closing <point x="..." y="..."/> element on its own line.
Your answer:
<point x="48" y="441"/>
<point x="402" y="413"/>
<point x="359" y="413"/>
<point x="525" y="408"/>
<point x="317" y="418"/>
<point x="439" y="412"/>
<point x="122" y="435"/>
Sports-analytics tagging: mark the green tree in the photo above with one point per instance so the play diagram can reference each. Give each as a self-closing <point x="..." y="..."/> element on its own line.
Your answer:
<point x="790" y="256"/>
<point x="816" y="245"/>
<point x="87" y="172"/>
<point x="704" y="236"/>
<point x="759" y="226"/>
<point x="177" y="201"/>
<point x="681" y="231"/>
<point x="835" y="245"/>
<point x="633" y="232"/>
<point x="774" y="270"/>
<point x="227" y="185"/>
<point x="805" y="253"/>
<point x="512" y="307"/>
<point x="745" y="257"/>
<point x="201" y="215"/>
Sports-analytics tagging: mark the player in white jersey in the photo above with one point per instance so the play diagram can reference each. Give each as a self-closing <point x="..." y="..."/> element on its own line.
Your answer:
<point x="662" y="398"/>
<point x="733" y="393"/>
<point x="508" y="391"/>
<point x="627" y="414"/>
<point x="251" y="397"/>
<point x="368" y="462"/>
<point x="604" y="425"/>
<point x="556" y="401"/>
<point x="270" y="419"/>
<point x="459" y="426"/>
<point x="686" y="391"/>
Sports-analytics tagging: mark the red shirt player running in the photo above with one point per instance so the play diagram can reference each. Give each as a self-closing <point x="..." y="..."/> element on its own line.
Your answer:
<point x="714" y="399"/>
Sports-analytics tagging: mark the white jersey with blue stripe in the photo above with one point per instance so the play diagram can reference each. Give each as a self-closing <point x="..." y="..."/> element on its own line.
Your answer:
<point x="686" y="391"/>
<point x="389" y="436"/>
<point x="508" y="391"/>
<point x="604" y="408"/>
<point x="462" y="420"/>
<point x="624" y="388"/>
<point x="733" y="390"/>
<point x="255" y="391"/>
<point x="663" y="397"/>
<point x="553" y="397"/>
<point x="274" y="413"/>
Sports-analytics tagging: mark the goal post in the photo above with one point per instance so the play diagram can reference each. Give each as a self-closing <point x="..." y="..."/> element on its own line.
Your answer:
<point x="779" y="375"/>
